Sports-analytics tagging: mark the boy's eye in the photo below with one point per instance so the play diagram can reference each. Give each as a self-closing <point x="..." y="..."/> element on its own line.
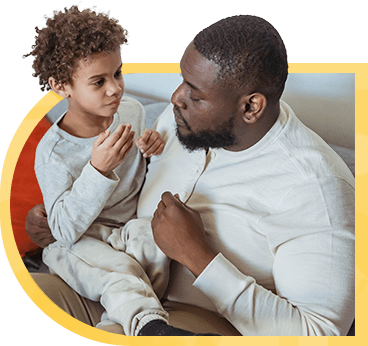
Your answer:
<point x="99" y="82"/>
<point x="118" y="73"/>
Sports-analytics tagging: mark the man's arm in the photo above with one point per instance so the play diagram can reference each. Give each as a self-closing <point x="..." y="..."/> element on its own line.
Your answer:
<point x="37" y="227"/>
<point x="313" y="268"/>
<point x="178" y="231"/>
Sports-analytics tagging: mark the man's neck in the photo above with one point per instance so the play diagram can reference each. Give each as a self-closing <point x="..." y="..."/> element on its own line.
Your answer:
<point x="253" y="133"/>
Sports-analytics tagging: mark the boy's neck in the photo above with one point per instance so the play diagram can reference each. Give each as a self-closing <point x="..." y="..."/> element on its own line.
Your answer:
<point x="84" y="126"/>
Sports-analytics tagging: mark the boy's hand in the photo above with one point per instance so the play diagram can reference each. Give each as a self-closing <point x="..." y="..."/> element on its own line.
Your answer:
<point x="150" y="143"/>
<point x="109" y="152"/>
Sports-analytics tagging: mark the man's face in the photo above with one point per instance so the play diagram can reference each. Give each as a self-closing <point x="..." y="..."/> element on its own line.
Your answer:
<point x="204" y="111"/>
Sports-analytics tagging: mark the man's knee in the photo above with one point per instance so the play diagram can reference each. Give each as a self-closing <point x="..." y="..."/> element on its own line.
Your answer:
<point x="68" y="300"/>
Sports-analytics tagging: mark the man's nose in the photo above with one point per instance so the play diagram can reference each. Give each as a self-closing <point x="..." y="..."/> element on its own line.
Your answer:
<point x="178" y="97"/>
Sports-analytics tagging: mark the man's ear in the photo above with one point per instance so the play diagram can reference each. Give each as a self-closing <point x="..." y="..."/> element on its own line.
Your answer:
<point x="58" y="88"/>
<point x="252" y="107"/>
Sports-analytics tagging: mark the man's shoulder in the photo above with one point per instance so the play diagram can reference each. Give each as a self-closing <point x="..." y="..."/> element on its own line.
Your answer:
<point x="309" y="153"/>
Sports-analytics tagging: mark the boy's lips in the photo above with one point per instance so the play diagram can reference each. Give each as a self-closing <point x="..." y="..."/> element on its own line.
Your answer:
<point x="114" y="103"/>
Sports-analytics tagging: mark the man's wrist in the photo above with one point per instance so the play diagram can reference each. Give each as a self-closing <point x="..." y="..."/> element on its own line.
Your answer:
<point x="198" y="264"/>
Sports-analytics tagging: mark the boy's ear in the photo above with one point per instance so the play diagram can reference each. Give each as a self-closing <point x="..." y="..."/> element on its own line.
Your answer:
<point x="58" y="88"/>
<point x="252" y="107"/>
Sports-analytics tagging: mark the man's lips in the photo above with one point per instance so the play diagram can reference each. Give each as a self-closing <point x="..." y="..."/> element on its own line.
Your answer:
<point x="179" y="118"/>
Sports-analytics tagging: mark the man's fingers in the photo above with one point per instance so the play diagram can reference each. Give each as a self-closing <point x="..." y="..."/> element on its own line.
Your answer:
<point x="39" y="210"/>
<point x="168" y="198"/>
<point x="37" y="216"/>
<point x="161" y="206"/>
<point x="160" y="209"/>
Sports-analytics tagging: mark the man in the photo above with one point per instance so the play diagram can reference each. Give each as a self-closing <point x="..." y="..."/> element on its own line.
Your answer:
<point x="255" y="209"/>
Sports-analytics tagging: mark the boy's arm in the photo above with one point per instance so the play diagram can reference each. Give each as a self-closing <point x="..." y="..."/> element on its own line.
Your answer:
<point x="72" y="204"/>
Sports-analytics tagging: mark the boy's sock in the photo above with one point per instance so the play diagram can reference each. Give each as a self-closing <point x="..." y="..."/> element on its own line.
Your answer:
<point x="161" y="328"/>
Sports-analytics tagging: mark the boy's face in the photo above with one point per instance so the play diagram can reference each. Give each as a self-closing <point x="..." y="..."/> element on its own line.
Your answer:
<point x="97" y="85"/>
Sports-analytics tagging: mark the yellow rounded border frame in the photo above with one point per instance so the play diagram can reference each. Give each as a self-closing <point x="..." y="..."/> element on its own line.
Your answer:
<point x="361" y="269"/>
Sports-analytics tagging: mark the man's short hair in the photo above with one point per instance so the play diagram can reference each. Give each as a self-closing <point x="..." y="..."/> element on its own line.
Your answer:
<point x="70" y="36"/>
<point x="249" y="52"/>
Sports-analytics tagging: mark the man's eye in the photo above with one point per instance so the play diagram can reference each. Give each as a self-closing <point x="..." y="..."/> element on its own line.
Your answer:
<point x="118" y="74"/>
<point x="194" y="99"/>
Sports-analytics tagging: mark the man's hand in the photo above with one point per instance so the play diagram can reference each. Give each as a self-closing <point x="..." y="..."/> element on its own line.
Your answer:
<point x="179" y="233"/>
<point x="109" y="152"/>
<point x="37" y="227"/>
<point x="150" y="143"/>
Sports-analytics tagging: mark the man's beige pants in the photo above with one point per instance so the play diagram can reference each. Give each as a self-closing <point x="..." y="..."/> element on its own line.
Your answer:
<point x="183" y="316"/>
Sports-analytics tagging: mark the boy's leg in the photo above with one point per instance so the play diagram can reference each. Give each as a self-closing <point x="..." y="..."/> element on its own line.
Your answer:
<point x="96" y="271"/>
<point x="136" y="239"/>
<point x="89" y="312"/>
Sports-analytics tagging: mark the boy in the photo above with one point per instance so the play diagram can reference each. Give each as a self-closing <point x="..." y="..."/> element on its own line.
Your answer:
<point x="90" y="173"/>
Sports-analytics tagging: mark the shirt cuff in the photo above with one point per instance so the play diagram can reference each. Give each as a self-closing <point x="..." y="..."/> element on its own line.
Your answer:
<point x="95" y="185"/>
<point x="112" y="175"/>
<point x="221" y="291"/>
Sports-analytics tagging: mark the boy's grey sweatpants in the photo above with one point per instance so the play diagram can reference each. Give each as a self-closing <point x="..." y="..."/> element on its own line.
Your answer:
<point x="128" y="273"/>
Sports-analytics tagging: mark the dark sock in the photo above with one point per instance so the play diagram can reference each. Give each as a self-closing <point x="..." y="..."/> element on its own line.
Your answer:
<point x="161" y="328"/>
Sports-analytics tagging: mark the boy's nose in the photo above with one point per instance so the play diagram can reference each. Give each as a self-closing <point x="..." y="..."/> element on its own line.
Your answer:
<point x="114" y="88"/>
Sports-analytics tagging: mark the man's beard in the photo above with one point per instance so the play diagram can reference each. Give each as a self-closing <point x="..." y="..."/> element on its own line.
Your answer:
<point x="222" y="137"/>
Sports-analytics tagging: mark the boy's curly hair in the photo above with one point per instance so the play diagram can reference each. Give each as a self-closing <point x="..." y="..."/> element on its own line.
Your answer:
<point x="70" y="36"/>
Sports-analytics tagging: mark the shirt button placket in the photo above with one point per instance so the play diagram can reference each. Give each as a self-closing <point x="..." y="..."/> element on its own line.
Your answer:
<point x="193" y="177"/>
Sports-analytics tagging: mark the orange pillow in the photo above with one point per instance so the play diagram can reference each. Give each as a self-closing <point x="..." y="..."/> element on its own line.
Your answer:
<point x="25" y="192"/>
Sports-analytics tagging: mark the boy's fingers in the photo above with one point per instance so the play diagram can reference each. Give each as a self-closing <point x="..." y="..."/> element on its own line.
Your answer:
<point x="148" y="138"/>
<point x="160" y="149"/>
<point x="122" y="128"/>
<point x="101" y="137"/>
<point x="145" y="137"/>
<point x="125" y="149"/>
<point x="156" y="148"/>
<point x="117" y="142"/>
<point x="127" y="137"/>
<point x="123" y="143"/>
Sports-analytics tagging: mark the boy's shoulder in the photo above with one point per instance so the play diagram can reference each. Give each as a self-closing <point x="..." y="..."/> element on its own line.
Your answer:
<point x="132" y="111"/>
<point x="46" y="145"/>
<point x="130" y="105"/>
